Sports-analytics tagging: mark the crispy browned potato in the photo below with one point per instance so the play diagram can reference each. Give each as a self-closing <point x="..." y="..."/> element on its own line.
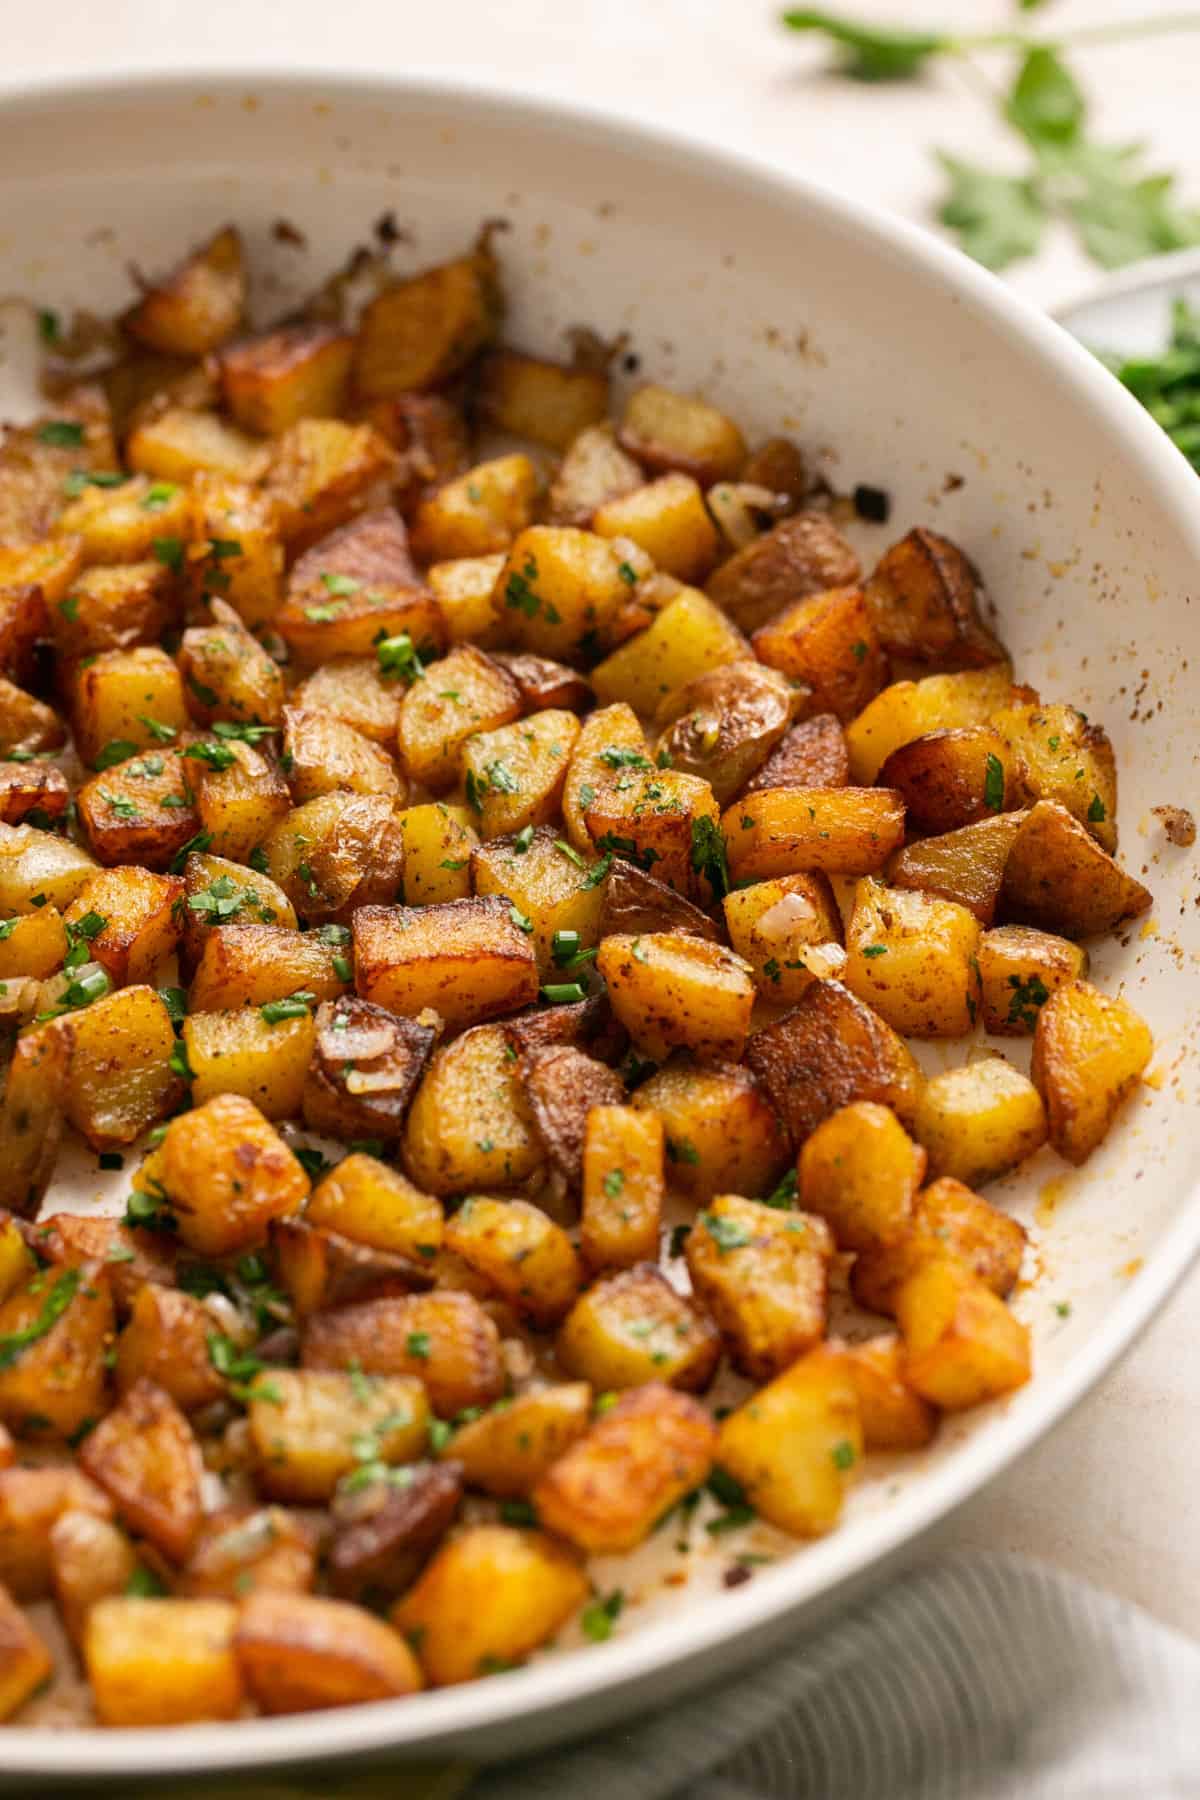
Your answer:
<point x="562" y="1086"/>
<point x="198" y="305"/>
<point x="966" y="866"/>
<point x="114" y="694"/>
<point x="355" y="588"/>
<point x="633" y="1327"/>
<point x="803" y="555"/>
<point x="953" y="778"/>
<point x="910" y="709"/>
<point x="1061" y="755"/>
<point x="514" y="776"/>
<point x="720" y="1134"/>
<point x="296" y="372"/>
<point x="925" y="598"/>
<point x="669" y="989"/>
<point x="948" y="1220"/>
<point x="236" y="550"/>
<point x="827" y="642"/>
<point x="263" y="1059"/>
<point x="762" y="1274"/>
<point x="979" y="1120"/>
<point x="438" y="842"/>
<point x="32" y="1500"/>
<point x="366" y="1201"/>
<point x="219" y="891"/>
<point x="365" y="1067"/>
<point x="469" y="1125"/>
<point x="322" y="472"/>
<point x="321" y="1268"/>
<point x="860" y="1171"/>
<point x="131" y="1256"/>
<point x="32" y="1114"/>
<point x="142" y="811"/>
<point x="467" y="959"/>
<point x="385" y="1531"/>
<point x="121" y="1081"/>
<point x="785" y="831"/>
<point x="251" y="965"/>
<point x="162" y="1662"/>
<point x="25" y="1662"/>
<point x="560" y="590"/>
<point x="1090" y="1050"/>
<point x="146" y="1457"/>
<point x="633" y="902"/>
<point x="893" y="1416"/>
<point x="795" y="1444"/>
<point x="665" y="430"/>
<point x="469" y="693"/>
<point x="324" y="755"/>
<point x="534" y="398"/>
<point x="511" y="1446"/>
<point x="622" y="1187"/>
<point x="240" y="793"/>
<point x="337" y="855"/>
<point x="227" y="673"/>
<point x="1058" y="878"/>
<point x="166" y="1342"/>
<point x="91" y="1559"/>
<point x="914" y="958"/>
<point x="52" y="1381"/>
<point x="477" y="513"/>
<point x="355" y="690"/>
<point x="962" y="1346"/>
<point x="309" y="1428"/>
<point x="686" y="639"/>
<point x="141" y="921"/>
<point x="520" y="1253"/>
<point x="27" y="723"/>
<point x="607" y="1491"/>
<point x="240" y="1550"/>
<point x="227" y="1174"/>
<point x="445" y="1339"/>
<point x="668" y="519"/>
<point x="664" y="822"/>
<point x="789" y="930"/>
<point x="419" y="332"/>
<point x="113" y="608"/>
<point x="723" y="725"/>
<point x="33" y="945"/>
<point x="1019" y="969"/>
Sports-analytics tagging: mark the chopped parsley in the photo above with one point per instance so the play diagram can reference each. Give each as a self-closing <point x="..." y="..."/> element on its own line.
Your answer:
<point x="119" y="750"/>
<point x="62" y="434"/>
<point x="214" y="756"/>
<point x="398" y="656"/>
<point x="61" y="1294"/>
<point x="563" y="993"/>
<point x="601" y="1614"/>
<point x="709" y="855"/>
<point x="1028" y="997"/>
<point x="726" y="1234"/>
<point x="993" y="784"/>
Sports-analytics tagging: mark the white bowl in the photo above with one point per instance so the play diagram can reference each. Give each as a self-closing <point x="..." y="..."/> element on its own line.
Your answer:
<point x="901" y="364"/>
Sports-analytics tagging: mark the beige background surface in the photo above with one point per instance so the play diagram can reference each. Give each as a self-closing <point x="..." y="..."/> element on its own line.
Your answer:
<point x="1111" y="1494"/>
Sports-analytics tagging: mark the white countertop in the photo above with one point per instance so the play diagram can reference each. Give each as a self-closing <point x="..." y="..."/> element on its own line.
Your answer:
<point x="1109" y="1495"/>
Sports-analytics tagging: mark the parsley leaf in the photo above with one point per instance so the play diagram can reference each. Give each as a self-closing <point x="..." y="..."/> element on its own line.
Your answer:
<point x="871" y="52"/>
<point x="998" y="218"/>
<point x="993" y="784"/>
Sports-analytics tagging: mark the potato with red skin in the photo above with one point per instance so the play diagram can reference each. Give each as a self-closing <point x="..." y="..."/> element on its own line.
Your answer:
<point x="925" y="598"/>
<point x="723" y="724"/>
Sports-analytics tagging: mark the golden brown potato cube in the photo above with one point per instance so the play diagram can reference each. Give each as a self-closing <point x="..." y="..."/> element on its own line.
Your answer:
<point x="669" y="989"/>
<point x="32" y="944"/>
<point x="1058" y="878"/>
<point x="608" y="1491"/>
<point x="144" y="1454"/>
<point x="176" y="444"/>
<point x="720" y="1135"/>
<point x="121" y="1081"/>
<point x="53" y="566"/>
<point x="228" y="674"/>
<point x="521" y="1254"/>
<point x="140" y="921"/>
<point x="249" y="965"/>
<point x="324" y="755"/>
<point x="218" y="892"/>
<point x="763" y="1276"/>
<point x="438" y="841"/>
<point x="465" y="958"/>
<point x="38" y="459"/>
<point x="228" y="1173"/>
<point x="828" y="643"/>
<point x="1019" y="969"/>
<point x="722" y="725"/>
<point x="510" y="1448"/>
<point x="466" y="692"/>
<point x="470" y="1126"/>
<point x="124" y="524"/>
<point x="31" y="1114"/>
<point x="664" y="822"/>
<point x="948" y="1221"/>
<point x="593" y="471"/>
<point x="1090" y="1050"/>
<point x="39" y="868"/>
<point x="142" y="811"/>
<point x="1060" y="755"/>
<point x="335" y="854"/>
<point x="445" y="1339"/>
<point x="979" y="1120"/>
<point x="914" y="958"/>
<point x="25" y="1662"/>
<point x="431" y="433"/>
<point x="801" y="556"/>
<point x="264" y="1060"/>
<point x="610" y="740"/>
<point x="667" y="431"/>
<point x="166" y="1342"/>
<point x="893" y="1416"/>
<point x="240" y="794"/>
<point x="297" y="372"/>
<point x="91" y="1560"/>
<point x="355" y="690"/>
<point x="784" y="831"/>
<point x="514" y="775"/>
<point x="310" y="1427"/>
<point x="118" y="692"/>
<point x="479" y="512"/>
<point x="925" y="598"/>
<point x="419" y="332"/>
<point x="162" y="1662"/>
<point x="911" y="709"/>
<point x="631" y="1328"/>
<point x="242" y="1551"/>
<point x="669" y="520"/>
<point x="372" y="1204"/>
<point x="198" y="305"/>
<point x="465" y="589"/>
<point x="27" y="723"/>
<point x="622" y="1187"/>
<point x="323" y="1269"/>
<point x="562" y="1085"/>
<point x="688" y="638"/>
<point x="550" y="886"/>
<point x="113" y="608"/>
<point x="829" y="1050"/>
<point x="300" y="1652"/>
<point x="860" y="1171"/>
<point x="323" y="471"/>
<point x="490" y="1596"/>
<point x="23" y="621"/>
<point x="235" y="552"/>
<point x="949" y="779"/>
<point x="32" y="1500"/>
<point x="131" y="1257"/>
<point x="789" y="930"/>
<point x="332" y="612"/>
<point x="962" y="1346"/>
<point x="966" y="866"/>
<point x="364" y="1069"/>
<point x="794" y="1445"/>
<point x="35" y="791"/>
<point x="532" y="398"/>
<point x="560" y="590"/>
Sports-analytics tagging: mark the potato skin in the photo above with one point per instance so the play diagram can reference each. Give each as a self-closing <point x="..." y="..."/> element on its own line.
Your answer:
<point x="1058" y="878"/>
<point x="909" y="709"/>
<point x="563" y="1087"/>
<point x="924" y="597"/>
<point x="1090" y="1050"/>
<point x="803" y="555"/>
<point x="953" y="778"/>
<point x="446" y="1339"/>
<point x="724" y="724"/>
<point x="384" y="1533"/>
<point x="827" y="641"/>
<point x="966" y="866"/>
<point x="634" y="901"/>
<point x="387" y="1054"/>
<point x="812" y="754"/>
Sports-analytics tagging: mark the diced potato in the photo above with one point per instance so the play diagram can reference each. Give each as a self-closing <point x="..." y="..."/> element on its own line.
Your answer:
<point x="763" y="1276"/>
<point x="355" y="588"/>
<point x="914" y="958"/>
<point x="17" y="1264"/>
<point x="607" y="1492"/>
<point x="131" y="1256"/>
<point x="142" y="811"/>
<point x="784" y="831"/>
<point x="300" y="1652"/>
<point x="477" y="513"/>
<point x="547" y="886"/>
<point x="32" y="1500"/>
<point x="860" y="1171"/>
<point x="489" y="1597"/>
<point x="247" y="965"/>
<point x="236" y="552"/>
<point x="668" y="431"/>
<point x="37" y="866"/>
<point x="794" y="1445"/>
<point x="1059" y="878"/>
<point x="669" y="520"/>
<point x="419" y="332"/>
<point x="324" y="755"/>
<point x="228" y="674"/>
<point x="228" y="1173"/>
<point x="469" y="1126"/>
<point x="337" y="854"/>
<point x="355" y="690"/>
<point x="240" y="794"/>
<point x="1090" y="1050"/>
<point x="508" y="1449"/>
<point x="376" y="1205"/>
<point x="438" y="841"/>
<point x="948" y="1221"/>
<point x="802" y="555"/>
<point x="198" y="305"/>
<point x="829" y="1050"/>
<point x="560" y="590"/>
<point x="687" y="638"/>
<point x="515" y="775"/>
<point x="1019" y="969"/>
<point x="32" y="944"/>
<point x="789" y="930"/>
<point x="966" y="866"/>
<point x="385" y="1531"/>
<point x="634" y="902"/>
<point x="310" y="1427"/>
<point x="631" y="1328"/>
<point x="520" y="1253"/>
<point x="218" y="892"/>
<point x="141" y="924"/>
<point x="118" y="692"/>
<point x="1062" y="756"/>
<point x="162" y="1662"/>
<point x="828" y="643"/>
<point x="562" y="1084"/>
<point x="593" y="471"/>
<point x="123" y="524"/>
<point x="893" y="1417"/>
<point x="662" y="821"/>
<point x="52" y="1380"/>
<point x="242" y="1053"/>
<point x="445" y="1339"/>
<point x="166" y="1342"/>
<point x="466" y="693"/>
<point x="176" y="444"/>
<point x="465" y="958"/>
<point x="146" y="1457"/>
<point x="465" y="589"/>
<point x="962" y="1346"/>
<point x="722" y="725"/>
<point x="669" y="989"/>
<point x="25" y="1662"/>
<point x="31" y="1114"/>
<point x="113" y="607"/>
<point x="241" y="1551"/>
<point x="38" y="458"/>
<point x="979" y="1120"/>
<point x="910" y="709"/>
<point x="121" y="1081"/>
<point x="610" y="740"/>
<point x="27" y="723"/>
<point x="321" y="1269"/>
<point x="622" y="1187"/>
<point x="720" y="1134"/>
<point x="324" y="471"/>
<point x="364" y="1070"/>
<point x="91" y="1560"/>
<point x="949" y="779"/>
<point x="924" y="598"/>
<point x="533" y="398"/>
<point x="296" y="372"/>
